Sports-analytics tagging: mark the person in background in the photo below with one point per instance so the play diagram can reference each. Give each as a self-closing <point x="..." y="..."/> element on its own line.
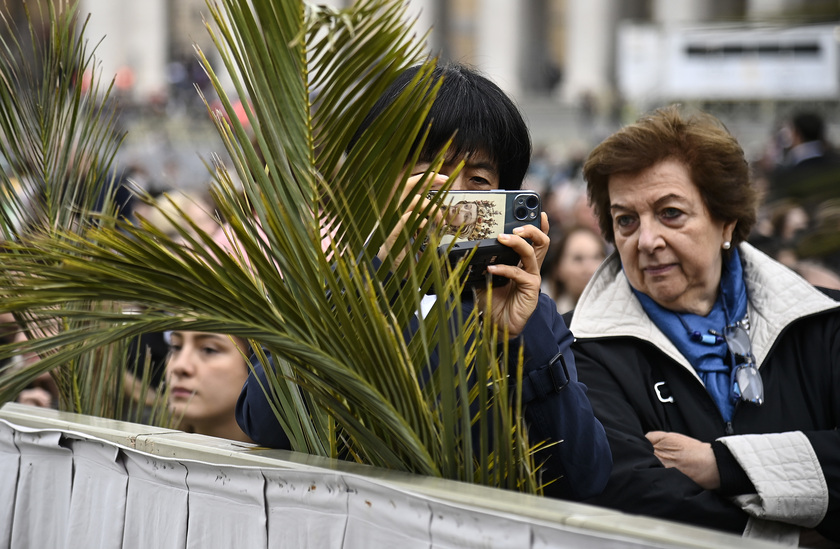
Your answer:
<point x="788" y="222"/>
<point x="194" y="205"/>
<point x="817" y="274"/>
<point x="821" y="243"/>
<point x="205" y="373"/>
<point x="43" y="391"/>
<point x="714" y="369"/>
<point x="578" y="255"/>
<point x="810" y="173"/>
<point x="490" y="137"/>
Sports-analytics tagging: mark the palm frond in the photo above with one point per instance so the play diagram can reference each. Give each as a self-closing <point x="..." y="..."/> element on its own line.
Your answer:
<point x="349" y="378"/>
<point x="57" y="133"/>
<point x="59" y="139"/>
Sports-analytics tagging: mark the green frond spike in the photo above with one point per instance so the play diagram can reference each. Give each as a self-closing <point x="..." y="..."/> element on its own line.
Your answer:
<point x="305" y="220"/>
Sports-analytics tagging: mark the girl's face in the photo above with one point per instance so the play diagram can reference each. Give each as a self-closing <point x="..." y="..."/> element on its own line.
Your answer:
<point x="582" y="255"/>
<point x="205" y="373"/>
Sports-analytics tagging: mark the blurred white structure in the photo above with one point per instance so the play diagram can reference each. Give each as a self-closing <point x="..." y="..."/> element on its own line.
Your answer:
<point x="726" y="62"/>
<point x="567" y="49"/>
<point x="134" y="43"/>
<point x="577" y="68"/>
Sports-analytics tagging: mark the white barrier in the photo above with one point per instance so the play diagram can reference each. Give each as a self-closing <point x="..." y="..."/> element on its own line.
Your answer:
<point x="78" y="481"/>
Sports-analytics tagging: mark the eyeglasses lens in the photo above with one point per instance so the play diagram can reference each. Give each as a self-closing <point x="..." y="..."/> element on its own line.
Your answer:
<point x="747" y="384"/>
<point x="738" y="341"/>
<point x="746" y="381"/>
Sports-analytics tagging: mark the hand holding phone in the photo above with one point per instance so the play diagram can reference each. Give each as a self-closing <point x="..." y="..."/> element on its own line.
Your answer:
<point x="475" y="219"/>
<point x="515" y="302"/>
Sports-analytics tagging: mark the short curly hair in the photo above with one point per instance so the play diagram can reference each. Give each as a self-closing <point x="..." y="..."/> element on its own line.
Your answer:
<point x="700" y="141"/>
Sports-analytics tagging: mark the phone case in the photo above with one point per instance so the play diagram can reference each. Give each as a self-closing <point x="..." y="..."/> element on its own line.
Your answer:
<point x="477" y="220"/>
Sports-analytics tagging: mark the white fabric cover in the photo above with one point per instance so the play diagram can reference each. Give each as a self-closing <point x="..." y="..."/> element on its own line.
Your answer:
<point x="372" y="512"/>
<point x="9" y="467"/>
<point x="453" y="528"/>
<point x="42" y="502"/>
<point x="72" y="490"/>
<point x="97" y="504"/>
<point x="305" y="509"/>
<point x="226" y="507"/>
<point x="156" y="502"/>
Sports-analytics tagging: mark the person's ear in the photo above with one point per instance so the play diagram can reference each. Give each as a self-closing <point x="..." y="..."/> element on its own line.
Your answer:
<point x="729" y="230"/>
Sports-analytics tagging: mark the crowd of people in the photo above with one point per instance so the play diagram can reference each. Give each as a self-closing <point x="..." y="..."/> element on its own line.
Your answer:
<point x="678" y="310"/>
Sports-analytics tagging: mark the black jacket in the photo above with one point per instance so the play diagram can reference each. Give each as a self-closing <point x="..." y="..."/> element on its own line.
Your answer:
<point x="638" y="382"/>
<point x="809" y="182"/>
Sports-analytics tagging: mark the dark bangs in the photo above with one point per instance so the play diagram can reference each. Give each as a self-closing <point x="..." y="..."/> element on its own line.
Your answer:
<point x="475" y="113"/>
<point x="479" y="117"/>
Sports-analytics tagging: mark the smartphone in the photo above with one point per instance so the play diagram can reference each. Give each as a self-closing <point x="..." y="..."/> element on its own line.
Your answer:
<point x="473" y="221"/>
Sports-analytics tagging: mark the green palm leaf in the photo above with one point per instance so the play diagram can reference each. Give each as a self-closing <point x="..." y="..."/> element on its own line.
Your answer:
<point x="346" y="381"/>
<point x="59" y="141"/>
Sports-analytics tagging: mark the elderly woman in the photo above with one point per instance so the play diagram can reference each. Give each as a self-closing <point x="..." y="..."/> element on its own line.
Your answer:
<point x="714" y="369"/>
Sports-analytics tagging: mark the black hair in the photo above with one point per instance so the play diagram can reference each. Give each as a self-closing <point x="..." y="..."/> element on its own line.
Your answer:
<point x="474" y="110"/>
<point x="809" y="126"/>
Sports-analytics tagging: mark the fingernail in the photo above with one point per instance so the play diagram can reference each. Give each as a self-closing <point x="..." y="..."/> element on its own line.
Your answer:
<point x="503" y="237"/>
<point x="518" y="230"/>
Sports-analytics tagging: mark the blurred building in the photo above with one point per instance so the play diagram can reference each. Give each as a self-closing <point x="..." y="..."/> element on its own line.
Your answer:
<point x="577" y="68"/>
<point x="149" y="44"/>
<point x="575" y="51"/>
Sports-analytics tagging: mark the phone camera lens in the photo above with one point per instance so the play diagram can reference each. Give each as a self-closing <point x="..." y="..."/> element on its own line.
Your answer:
<point x="521" y="213"/>
<point x="532" y="202"/>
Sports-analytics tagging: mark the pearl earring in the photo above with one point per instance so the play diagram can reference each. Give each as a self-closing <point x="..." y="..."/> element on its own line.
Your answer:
<point x="727" y="245"/>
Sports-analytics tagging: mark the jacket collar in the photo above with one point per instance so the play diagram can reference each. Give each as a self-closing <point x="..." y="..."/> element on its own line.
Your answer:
<point x="777" y="296"/>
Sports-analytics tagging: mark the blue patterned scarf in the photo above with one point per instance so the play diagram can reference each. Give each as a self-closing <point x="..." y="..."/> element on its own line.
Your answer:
<point x="707" y="357"/>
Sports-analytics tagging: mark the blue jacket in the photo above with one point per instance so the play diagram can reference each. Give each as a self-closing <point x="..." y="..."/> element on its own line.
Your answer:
<point x="556" y="408"/>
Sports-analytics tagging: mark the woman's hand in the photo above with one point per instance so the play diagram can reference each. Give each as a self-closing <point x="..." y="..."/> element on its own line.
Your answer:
<point x="515" y="302"/>
<point x="693" y="458"/>
<point x="42" y="393"/>
<point x="35" y="397"/>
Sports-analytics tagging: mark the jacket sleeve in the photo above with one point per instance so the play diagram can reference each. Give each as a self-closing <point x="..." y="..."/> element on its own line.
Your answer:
<point x="558" y="410"/>
<point x="254" y="413"/>
<point x="789" y="481"/>
<point x="639" y="483"/>
<point x="796" y="473"/>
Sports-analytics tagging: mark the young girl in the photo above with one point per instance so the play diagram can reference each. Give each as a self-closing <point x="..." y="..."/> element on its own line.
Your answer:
<point x="580" y="252"/>
<point x="205" y="373"/>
